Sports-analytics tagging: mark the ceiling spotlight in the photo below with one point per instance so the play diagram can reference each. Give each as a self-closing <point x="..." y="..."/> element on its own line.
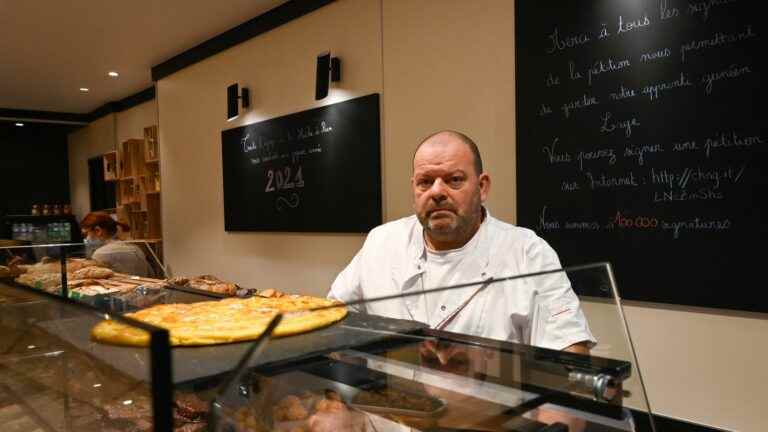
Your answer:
<point x="84" y="89"/>
<point x="113" y="74"/>
<point x="20" y="125"/>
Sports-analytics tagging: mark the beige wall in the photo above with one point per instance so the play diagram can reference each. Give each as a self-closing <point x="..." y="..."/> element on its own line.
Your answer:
<point x="438" y="64"/>
<point x="279" y="68"/>
<point x="703" y="365"/>
<point x="699" y="365"/>
<point x="131" y="122"/>
<point x="95" y="139"/>
<point x="436" y="77"/>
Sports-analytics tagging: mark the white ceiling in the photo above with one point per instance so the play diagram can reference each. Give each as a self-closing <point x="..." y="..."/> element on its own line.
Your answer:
<point x="51" y="48"/>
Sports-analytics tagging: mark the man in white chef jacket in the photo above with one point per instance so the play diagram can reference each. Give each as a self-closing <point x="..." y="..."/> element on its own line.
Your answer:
<point x="453" y="239"/>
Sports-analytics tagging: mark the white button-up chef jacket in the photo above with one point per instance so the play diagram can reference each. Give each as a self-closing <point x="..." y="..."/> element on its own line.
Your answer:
<point x="542" y="310"/>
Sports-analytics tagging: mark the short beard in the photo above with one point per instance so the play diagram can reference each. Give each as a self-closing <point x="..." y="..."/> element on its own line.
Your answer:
<point x="454" y="229"/>
<point x="460" y="229"/>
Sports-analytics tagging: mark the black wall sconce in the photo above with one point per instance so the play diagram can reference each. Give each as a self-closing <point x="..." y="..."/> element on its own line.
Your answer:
<point x="325" y="65"/>
<point x="233" y="94"/>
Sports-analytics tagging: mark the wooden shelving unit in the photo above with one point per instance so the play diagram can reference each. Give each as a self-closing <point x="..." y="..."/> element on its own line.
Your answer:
<point x="151" y="150"/>
<point x="138" y="184"/>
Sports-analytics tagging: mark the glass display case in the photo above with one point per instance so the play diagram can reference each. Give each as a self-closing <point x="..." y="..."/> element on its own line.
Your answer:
<point x="379" y="374"/>
<point x="365" y="373"/>
<point x="68" y="270"/>
<point x="52" y="381"/>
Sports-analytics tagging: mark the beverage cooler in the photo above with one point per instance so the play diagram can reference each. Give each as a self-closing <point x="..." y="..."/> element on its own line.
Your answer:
<point x="43" y="229"/>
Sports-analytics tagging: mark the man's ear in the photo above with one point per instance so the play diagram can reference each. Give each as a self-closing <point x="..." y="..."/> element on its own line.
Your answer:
<point x="485" y="186"/>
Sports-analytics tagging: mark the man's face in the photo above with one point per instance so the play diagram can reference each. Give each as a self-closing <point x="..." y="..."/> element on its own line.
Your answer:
<point x="448" y="193"/>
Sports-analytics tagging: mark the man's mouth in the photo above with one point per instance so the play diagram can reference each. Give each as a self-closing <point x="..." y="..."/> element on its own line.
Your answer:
<point x="438" y="211"/>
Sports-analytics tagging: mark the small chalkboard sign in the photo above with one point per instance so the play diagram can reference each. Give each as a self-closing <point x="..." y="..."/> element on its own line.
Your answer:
<point x="314" y="171"/>
<point x="642" y="141"/>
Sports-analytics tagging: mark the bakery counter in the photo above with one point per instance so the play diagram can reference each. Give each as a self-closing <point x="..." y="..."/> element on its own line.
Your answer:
<point x="54" y="376"/>
<point x="353" y="372"/>
<point x="427" y="380"/>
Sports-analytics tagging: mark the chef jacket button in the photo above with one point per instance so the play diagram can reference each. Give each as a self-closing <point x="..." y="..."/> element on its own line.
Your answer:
<point x="442" y="308"/>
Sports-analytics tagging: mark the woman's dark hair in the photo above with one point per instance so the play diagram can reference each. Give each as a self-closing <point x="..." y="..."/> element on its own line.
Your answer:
<point x="104" y="221"/>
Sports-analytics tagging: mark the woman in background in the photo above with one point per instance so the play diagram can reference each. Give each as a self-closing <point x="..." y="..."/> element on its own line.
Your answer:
<point x="101" y="244"/>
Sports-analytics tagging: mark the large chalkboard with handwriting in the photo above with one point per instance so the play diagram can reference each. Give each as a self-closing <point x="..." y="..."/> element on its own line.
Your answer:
<point x="313" y="171"/>
<point x="642" y="141"/>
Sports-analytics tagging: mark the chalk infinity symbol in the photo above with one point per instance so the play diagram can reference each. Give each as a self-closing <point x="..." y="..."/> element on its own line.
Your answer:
<point x="292" y="201"/>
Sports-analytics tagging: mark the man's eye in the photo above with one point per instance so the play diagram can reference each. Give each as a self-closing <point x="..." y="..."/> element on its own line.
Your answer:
<point x="424" y="183"/>
<point x="456" y="181"/>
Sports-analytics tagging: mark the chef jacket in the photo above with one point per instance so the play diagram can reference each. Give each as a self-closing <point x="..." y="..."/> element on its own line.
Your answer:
<point x="539" y="310"/>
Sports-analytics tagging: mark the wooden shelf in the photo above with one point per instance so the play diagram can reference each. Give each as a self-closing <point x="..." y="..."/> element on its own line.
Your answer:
<point x="131" y="158"/>
<point x="138" y="188"/>
<point x="151" y="149"/>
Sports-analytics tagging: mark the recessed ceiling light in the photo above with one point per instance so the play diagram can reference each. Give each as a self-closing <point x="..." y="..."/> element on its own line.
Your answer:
<point x="85" y="89"/>
<point x="21" y="124"/>
<point x="113" y="74"/>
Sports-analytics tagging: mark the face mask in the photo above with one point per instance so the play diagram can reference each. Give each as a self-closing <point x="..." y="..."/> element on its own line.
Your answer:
<point x="91" y="245"/>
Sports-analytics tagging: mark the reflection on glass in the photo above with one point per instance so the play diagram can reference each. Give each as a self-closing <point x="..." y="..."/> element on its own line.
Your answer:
<point x="374" y="373"/>
<point x="52" y="378"/>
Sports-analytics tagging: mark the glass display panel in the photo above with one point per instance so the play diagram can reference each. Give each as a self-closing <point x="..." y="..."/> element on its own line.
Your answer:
<point x="374" y="372"/>
<point x="55" y="377"/>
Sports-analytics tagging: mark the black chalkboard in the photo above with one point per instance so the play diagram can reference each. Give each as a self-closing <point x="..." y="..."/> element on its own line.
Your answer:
<point x="642" y="141"/>
<point x="313" y="171"/>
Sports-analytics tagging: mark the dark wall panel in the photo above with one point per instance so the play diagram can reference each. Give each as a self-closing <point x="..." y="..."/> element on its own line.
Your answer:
<point x="34" y="166"/>
<point x="642" y="141"/>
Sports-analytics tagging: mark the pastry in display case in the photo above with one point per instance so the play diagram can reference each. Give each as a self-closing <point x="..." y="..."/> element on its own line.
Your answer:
<point x="350" y="371"/>
<point x="225" y="320"/>
<point x="206" y="283"/>
<point x="45" y="267"/>
<point x="95" y="282"/>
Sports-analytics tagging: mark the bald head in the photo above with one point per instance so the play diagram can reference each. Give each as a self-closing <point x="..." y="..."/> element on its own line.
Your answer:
<point x="447" y="136"/>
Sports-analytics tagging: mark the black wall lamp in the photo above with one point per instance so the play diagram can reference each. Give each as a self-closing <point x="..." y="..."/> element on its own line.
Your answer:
<point x="233" y="94"/>
<point x="326" y="65"/>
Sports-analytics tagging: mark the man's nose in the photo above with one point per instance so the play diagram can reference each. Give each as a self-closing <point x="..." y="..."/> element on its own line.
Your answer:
<point x="438" y="190"/>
